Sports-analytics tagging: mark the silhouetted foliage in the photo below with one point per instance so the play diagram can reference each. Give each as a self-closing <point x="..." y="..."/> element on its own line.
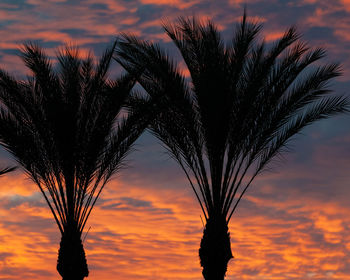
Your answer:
<point x="7" y="169"/>
<point x="69" y="129"/>
<point x="243" y="103"/>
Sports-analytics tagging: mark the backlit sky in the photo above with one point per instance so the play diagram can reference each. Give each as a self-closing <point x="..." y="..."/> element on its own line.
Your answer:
<point x="294" y="222"/>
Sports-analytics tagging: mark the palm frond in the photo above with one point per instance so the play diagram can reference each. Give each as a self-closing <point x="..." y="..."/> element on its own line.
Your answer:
<point x="8" y="169"/>
<point x="61" y="127"/>
<point x="245" y="102"/>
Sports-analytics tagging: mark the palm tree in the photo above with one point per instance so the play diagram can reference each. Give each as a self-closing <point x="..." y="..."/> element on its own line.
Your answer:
<point x="243" y="102"/>
<point x="69" y="129"/>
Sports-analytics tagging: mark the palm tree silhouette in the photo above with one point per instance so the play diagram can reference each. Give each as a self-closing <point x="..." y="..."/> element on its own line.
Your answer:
<point x="69" y="129"/>
<point x="242" y="105"/>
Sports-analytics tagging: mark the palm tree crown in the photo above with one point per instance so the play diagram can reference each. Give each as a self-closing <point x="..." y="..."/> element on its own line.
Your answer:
<point x="243" y="103"/>
<point x="67" y="128"/>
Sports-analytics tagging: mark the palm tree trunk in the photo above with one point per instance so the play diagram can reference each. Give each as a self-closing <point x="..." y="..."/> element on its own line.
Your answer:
<point x="215" y="249"/>
<point x="71" y="263"/>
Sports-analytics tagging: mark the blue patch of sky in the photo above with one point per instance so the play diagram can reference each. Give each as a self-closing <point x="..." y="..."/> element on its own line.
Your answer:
<point x="150" y="159"/>
<point x="148" y="12"/>
<point x="322" y="33"/>
<point x="48" y="45"/>
<point x="100" y="15"/>
<point x="45" y="17"/>
<point x="153" y="30"/>
<point x="5" y="155"/>
<point x="75" y="31"/>
<point x="5" y="23"/>
<point x="335" y="127"/>
<point x="10" y="51"/>
<point x="280" y="14"/>
<point x="340" y="14"/>
<point x="318" y="133"/>
<point x="98" y="6"/>
<point x="342" y="87"/>
<point x="21" y="4"/>
<point x="98" y="48"/>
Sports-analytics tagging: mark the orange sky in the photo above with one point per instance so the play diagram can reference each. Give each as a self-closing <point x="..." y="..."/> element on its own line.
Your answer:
<point x="294" y="222"/>
<point x="145" y="227"/>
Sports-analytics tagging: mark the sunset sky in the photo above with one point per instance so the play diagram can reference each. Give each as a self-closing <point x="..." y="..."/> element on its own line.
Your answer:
<point x="294" y="222"/>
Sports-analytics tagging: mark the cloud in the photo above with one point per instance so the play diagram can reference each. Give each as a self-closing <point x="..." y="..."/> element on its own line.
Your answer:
<point x="278" y="232"/>
<point x="179" y="4"/>
<point x="292" y="224"/>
